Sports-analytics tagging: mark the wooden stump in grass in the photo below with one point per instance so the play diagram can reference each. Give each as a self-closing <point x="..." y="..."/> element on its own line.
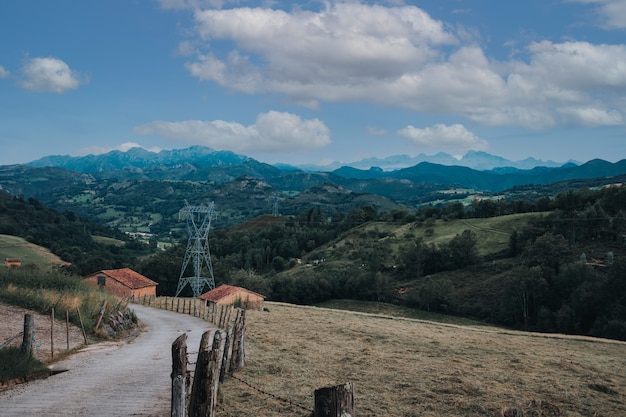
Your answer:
<point x="337" y="401"/>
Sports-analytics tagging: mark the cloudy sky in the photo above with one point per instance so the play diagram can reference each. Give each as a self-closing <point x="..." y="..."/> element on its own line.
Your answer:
<point x="314" y="82"/>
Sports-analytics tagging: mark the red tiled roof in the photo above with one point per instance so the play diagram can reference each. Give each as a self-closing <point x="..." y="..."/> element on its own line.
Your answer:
<point x="128" y="277"/>
<point x="224" y="290"/>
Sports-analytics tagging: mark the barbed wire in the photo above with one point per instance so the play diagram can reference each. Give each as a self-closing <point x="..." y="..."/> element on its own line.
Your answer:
<point x="274" y="396"/>
<point x="11" y="339"/>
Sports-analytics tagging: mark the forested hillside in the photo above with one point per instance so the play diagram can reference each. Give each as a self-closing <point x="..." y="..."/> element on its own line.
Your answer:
<point x="561" y="266"/>
<point x="68" y="236"/>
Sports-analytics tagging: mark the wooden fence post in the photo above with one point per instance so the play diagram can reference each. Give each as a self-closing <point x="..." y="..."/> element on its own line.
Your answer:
<point x="227" y="319"/>
<point x="215" y="368"/>
<point x="197" y="402"/>
<point x="52" y="333"/>
<point x="179" y="376"/>
<point x="239" y="342"/>
<point x="337" y="401"/>
<point x="27" y="338"/>
<point x="101" y="314"/>
<point x="67" y="328"/>
<point x="80" y="319"/>
<point x="225" y="359"/>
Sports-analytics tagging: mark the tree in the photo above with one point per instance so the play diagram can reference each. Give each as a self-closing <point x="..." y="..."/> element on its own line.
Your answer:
<point x="522" y="297"/>
<point x="462" y="250"/>
<point x="431" y="294"/>
<point x="548" y="251"/>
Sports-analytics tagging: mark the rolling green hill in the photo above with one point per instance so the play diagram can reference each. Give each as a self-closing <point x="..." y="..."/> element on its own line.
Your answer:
<point x="29" y="253"/>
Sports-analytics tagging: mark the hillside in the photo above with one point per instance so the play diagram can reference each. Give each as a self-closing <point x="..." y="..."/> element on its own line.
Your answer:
<point x="29" y="253"/>
<point x="407" y="368"/>
<point x="75" y="240"/>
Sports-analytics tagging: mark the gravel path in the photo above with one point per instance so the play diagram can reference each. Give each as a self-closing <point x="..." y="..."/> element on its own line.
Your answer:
<point x="112" y="379"/>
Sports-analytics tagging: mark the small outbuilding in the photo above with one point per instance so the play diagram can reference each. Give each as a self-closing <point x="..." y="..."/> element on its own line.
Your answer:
<point x="123" y="282"/>
<point x="237" y="296"/>
<point x="11" y="262"/>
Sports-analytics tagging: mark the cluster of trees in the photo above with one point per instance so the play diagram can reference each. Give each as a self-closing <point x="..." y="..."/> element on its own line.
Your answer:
<point x="566" y="269"/>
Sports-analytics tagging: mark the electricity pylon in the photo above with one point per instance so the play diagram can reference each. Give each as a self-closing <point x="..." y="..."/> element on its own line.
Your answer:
<point x="198" y="225"/>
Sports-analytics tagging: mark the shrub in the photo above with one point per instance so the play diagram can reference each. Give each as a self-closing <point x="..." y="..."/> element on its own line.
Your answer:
<point x="15" y="364"/>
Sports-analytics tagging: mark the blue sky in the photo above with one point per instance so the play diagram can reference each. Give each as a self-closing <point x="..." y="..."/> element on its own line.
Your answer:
<point x="314" y="82"/>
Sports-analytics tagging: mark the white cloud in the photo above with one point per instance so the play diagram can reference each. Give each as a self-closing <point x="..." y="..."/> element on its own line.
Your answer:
<point x="454" y="138"/>
<point x="591" y="117"/>
<point x="50" y="75"/>
<point x="346" y="44"/>
<point x="400" y="56"/>
<point x="612" y="13"/>
<point x="272" y="132"/>
<point x="97" y="150"/>
<point x="4" y="72"/>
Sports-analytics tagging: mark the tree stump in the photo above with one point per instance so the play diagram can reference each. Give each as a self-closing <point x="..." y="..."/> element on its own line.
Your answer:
<point x="337" y="401"/>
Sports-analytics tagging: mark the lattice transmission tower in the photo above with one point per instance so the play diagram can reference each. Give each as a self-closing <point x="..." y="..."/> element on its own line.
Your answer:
<point x="198" y="225"/>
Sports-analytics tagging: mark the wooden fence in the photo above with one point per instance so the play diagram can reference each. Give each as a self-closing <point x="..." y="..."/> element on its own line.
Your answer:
<point x="221" y="352"/>
<point x="220" y="315"/>
<point x="29" y="343"/>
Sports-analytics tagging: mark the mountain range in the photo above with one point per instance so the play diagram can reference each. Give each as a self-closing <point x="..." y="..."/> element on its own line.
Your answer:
<point x="199" y="163"/>
<point x="202" y="157"/>
<point x="481" y="161"/>
<point x="139" y="184"/>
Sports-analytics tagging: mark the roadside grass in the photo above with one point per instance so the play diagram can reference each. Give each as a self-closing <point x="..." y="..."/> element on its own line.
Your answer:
<point x="403" y="367"/>
<point x="14" y="364"/>
<point x="41" y="291"/>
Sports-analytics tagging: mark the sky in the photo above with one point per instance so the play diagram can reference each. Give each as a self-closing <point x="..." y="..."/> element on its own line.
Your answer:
<point x="314" y="82"/>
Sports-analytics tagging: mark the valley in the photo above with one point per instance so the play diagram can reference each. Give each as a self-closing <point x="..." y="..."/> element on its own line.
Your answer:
<point x="545" y="255"/>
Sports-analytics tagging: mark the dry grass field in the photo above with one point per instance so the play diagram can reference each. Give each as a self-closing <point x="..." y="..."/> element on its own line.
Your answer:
<point x="408" y="368"/>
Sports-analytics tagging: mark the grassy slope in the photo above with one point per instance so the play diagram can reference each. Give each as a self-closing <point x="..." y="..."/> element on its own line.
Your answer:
<point x="29" y="253"/>
<point x="103" y="240"/>
<point x="406" y="368"/>
<point x="492" y="234"/>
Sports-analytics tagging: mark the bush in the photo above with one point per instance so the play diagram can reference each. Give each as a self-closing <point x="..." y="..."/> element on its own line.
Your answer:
<point x="15" y="364"/>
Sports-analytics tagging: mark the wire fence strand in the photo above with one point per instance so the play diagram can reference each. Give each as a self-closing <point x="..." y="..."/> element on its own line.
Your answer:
<point x="274" y="396"/>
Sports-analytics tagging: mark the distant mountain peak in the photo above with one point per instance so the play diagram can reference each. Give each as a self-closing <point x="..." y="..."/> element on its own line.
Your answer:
<point x="478" y="160"/>
<point x="138" y="158"/>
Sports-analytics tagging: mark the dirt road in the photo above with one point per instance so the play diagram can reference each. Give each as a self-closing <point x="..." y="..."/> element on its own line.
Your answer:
<point x="112" y="379"/>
